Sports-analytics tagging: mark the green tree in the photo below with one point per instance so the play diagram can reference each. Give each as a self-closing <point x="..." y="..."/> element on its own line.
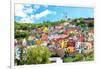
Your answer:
<point x="38" y="55"/>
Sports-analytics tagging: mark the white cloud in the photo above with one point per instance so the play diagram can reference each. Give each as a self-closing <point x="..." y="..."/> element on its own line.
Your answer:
<point x="27" y="5"/>
<point x="23" y="13"/>
<point x="23" y="9"/>
<point x="36" y="7"/>
<point x="44" y="13"/>
<point x="46" y="6"/>
<point x="28" y="10"/>
<point x="27" y="19"/>
<point x="19" y="10"/>
<point x="32" y="18"/>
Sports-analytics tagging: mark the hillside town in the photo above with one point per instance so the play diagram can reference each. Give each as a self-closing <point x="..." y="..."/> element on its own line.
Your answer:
<point x="71" y="40"/>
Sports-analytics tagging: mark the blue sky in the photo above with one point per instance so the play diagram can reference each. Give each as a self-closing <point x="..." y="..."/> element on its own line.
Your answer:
<point x="32" y="13"/>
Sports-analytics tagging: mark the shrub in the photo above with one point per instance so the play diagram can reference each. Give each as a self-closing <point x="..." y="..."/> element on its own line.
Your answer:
<point x="89" y="58"/>
<point x="68" y="59"/>
<point x="78" y="57"/>
<point x="37" y="55"/>
<point x="23" y="34"/>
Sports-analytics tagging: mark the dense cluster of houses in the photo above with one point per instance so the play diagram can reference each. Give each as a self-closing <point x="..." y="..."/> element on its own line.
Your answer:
<point x="65" y="36"/>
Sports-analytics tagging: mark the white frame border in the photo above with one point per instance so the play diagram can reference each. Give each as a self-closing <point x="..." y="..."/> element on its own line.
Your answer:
<point x="52" y="2"/>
